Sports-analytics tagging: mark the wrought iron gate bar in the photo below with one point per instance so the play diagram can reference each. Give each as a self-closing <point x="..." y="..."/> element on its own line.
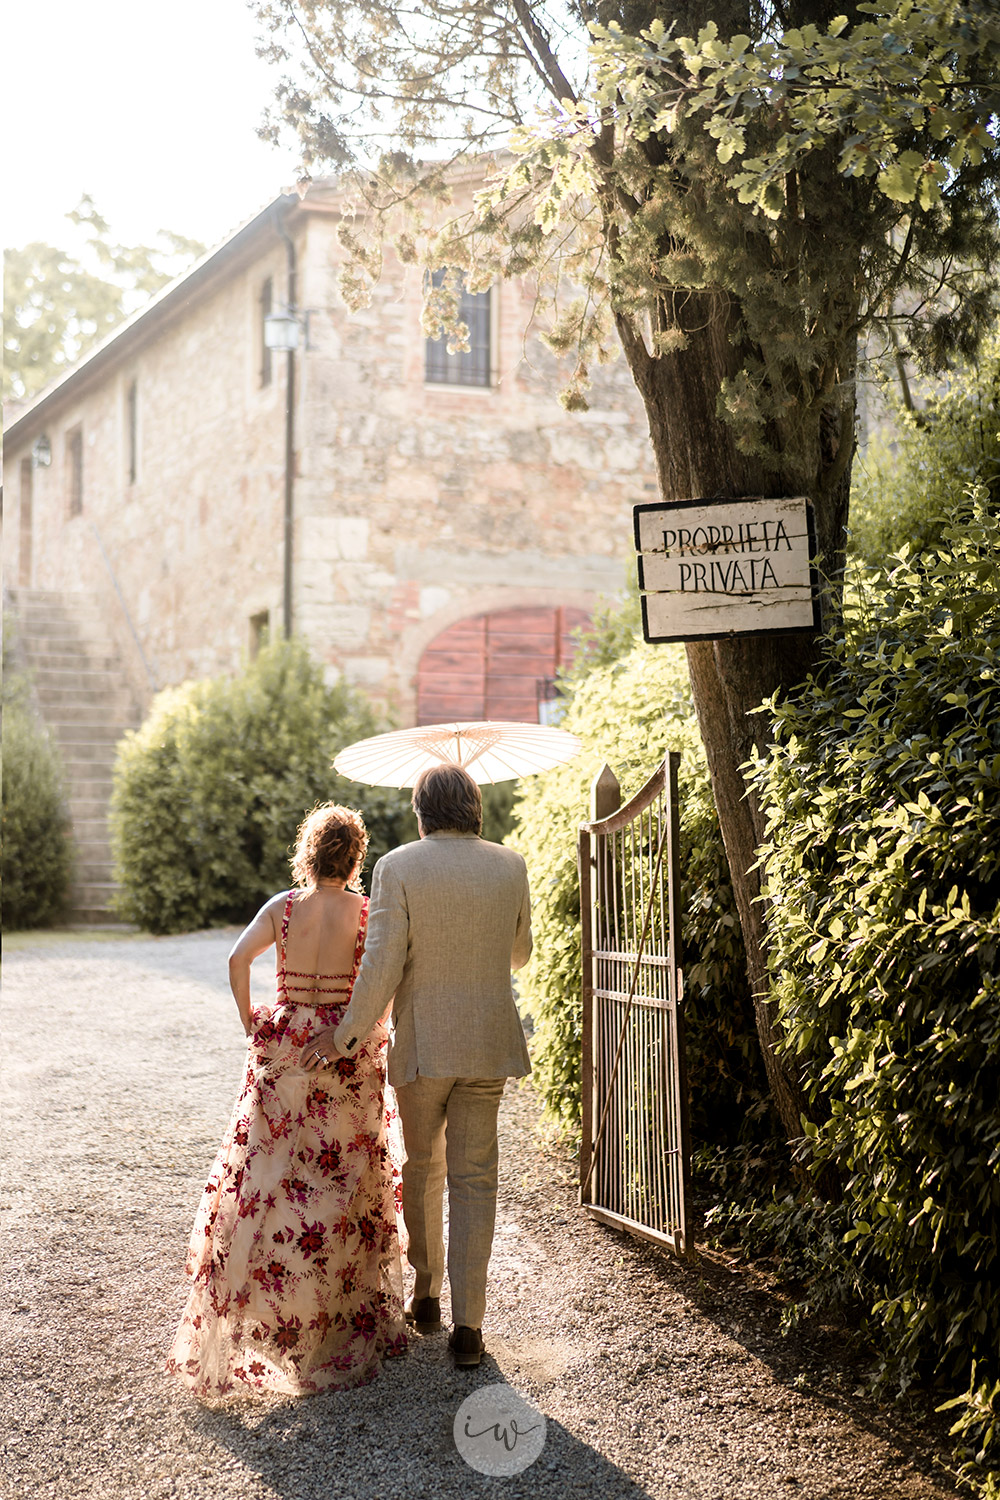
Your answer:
<point x="628" y="1005"/>
<point x="655" y="960"/>
<point x="623" y="816"/>
<point x="649" y="1002"/>
<point x="634" y="1165"/>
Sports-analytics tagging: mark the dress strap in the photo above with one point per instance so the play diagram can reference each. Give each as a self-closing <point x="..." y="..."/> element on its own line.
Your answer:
<point x="360" y="940"/>
<point x="284" y="928"/>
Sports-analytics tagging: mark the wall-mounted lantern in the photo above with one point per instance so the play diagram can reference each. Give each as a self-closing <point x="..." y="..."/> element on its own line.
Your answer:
<point x="285" y="331"/>
<point x="41" y="453"/>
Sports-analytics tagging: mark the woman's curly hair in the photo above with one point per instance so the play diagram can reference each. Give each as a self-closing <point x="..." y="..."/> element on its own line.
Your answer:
<point x="331" y="843"/>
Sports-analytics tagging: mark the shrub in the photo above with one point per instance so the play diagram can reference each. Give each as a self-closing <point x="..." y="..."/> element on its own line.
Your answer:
<point x="882" y="791"/>
<point x="209" y="791"/>
<point x="37" y="852"/>
<point x="498" y="810"/>
<point x="905" y="480"/>
<point x="628" y="711"/>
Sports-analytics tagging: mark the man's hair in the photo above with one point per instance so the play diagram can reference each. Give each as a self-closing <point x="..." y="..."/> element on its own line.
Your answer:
<point x="447" y="798"/>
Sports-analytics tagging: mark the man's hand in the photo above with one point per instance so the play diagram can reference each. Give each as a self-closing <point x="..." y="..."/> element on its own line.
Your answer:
<point x="321" y="1051"/>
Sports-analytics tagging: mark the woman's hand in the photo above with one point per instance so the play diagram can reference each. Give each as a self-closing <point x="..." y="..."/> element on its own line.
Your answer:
<point x="321" y="1051"/>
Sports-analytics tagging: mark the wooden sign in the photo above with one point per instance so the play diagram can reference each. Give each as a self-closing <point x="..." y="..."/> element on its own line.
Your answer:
<point x="712" y="568"/>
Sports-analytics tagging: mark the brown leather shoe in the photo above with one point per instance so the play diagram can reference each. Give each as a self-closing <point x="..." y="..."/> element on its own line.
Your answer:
<point x="466" y="1344"/>
<point x="423" y="1312"/>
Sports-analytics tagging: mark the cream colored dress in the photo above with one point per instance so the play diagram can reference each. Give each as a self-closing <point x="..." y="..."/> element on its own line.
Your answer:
<point x="294" y="1255"/>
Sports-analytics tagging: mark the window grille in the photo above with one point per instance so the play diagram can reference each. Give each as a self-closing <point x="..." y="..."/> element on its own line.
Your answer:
<point x="471" y="367"/>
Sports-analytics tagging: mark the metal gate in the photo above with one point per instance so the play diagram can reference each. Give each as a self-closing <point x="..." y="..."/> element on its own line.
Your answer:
<point x="635" y="1154"/>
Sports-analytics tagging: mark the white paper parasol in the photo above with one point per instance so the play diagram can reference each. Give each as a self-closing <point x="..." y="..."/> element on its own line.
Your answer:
<point x="490" y="750"/>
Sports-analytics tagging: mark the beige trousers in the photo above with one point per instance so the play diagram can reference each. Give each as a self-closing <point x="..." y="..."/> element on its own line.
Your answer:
<point x="450" y="1130"/>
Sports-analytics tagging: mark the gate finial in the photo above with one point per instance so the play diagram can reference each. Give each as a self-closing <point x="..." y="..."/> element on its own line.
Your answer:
<point x="605" y="794"/>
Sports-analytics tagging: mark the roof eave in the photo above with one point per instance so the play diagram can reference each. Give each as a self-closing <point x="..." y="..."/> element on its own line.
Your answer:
<point x="141" y="325"/>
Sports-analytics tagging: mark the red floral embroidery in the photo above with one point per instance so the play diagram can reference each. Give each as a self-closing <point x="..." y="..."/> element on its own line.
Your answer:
<point x="310" y="1240"/>
<point x="328" y="1159"/>
<point x="364" y="1322"/>
<point x="329" y="1309"/>
<point x="287" y="1335"/>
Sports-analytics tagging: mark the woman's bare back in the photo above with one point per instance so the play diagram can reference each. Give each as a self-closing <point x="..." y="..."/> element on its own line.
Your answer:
<point x="322" y="934"/>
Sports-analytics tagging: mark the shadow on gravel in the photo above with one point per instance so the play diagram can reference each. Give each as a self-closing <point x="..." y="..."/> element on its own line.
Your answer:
<point x="395" y="1439"/>
<point x="820" y="1361"/>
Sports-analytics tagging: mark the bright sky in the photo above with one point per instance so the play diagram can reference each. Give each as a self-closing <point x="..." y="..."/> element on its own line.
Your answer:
<point x="151" y="109"/>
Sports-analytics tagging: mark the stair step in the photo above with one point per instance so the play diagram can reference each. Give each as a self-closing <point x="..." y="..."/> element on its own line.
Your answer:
<point x="69" y="661"/>
<point x="69" y="728"/>
<point x="93" y="904"/>
<point x="86" y="705"/>
<point x="83" y="818"/>
<point x="88" y="733"/>
<point x="95" y="787"/>
<point x="93" y="892"/>
<point x="55" y="609"/>
<point x="64" y="598"/>
<point x="85" y="762"/>
<point x="92" y="838"/>
<point x="91" y="828"/>
<point x="58" y="680"/>
<point x="84" y="607"/>
<point x="49" y="697"/>
<point x="95" y="849"/>
<point x="66" y="642"/>
<point x="62" y="712"/>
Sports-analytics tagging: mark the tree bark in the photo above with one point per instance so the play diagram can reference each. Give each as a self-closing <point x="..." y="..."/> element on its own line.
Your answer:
<point x="697" y="458"/>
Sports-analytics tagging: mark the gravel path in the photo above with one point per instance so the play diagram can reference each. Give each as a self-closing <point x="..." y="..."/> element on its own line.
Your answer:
<point x="121" y="1062"/>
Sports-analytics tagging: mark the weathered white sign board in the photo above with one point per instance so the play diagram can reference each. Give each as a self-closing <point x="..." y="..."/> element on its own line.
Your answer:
<point x="711" y="568"/>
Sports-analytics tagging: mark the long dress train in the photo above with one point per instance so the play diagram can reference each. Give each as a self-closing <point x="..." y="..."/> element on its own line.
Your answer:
<point x="294" y="1256"/>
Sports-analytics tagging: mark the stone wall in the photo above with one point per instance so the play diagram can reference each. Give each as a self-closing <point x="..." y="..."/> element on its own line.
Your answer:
<point x="415" y="505"/>
<point x="190" y="549"/>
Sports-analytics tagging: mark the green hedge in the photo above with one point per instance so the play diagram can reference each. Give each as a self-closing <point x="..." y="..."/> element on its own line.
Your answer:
<point x="37" y="851"/>
<point x="627" y="712"/>
<point x="906" y="477"/>
<point x="209" y="791"/>
<point x="882" y="791"/>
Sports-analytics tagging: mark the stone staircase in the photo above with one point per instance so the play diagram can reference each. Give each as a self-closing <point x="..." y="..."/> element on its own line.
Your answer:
<point x="85" y="702"/>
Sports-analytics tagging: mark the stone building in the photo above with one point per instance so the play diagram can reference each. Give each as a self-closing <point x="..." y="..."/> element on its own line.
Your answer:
<point x="433" y="525"/>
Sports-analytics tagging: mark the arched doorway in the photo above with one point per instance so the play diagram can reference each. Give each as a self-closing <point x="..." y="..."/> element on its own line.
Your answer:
<point x="493" y="666"/>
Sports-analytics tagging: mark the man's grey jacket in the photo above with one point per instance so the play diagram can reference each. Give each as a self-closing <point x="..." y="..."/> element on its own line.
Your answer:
<point x="450" y="917"/>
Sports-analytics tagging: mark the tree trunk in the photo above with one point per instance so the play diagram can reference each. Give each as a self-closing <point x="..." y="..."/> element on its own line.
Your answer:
<point x="697" y="458"/>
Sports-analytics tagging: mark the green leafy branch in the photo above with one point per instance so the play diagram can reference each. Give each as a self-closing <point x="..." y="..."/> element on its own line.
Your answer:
<point x="909" y="97"/>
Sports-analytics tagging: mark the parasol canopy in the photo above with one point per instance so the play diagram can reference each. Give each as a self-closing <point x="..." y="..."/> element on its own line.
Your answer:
<point x="490" y="750"/>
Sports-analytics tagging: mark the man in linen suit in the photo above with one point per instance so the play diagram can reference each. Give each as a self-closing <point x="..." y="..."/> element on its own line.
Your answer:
<point x="449" y="919"/>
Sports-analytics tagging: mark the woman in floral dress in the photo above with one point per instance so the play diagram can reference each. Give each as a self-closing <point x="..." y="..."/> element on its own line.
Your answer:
<point x="294" y="1255"/>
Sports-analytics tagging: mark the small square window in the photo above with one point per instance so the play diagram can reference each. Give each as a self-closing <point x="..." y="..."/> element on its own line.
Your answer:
<point x="260" y="632"/>
<point x="469" y="367"/>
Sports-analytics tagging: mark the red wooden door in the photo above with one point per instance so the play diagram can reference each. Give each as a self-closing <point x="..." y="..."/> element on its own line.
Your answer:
<point x="490" y="666"/>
